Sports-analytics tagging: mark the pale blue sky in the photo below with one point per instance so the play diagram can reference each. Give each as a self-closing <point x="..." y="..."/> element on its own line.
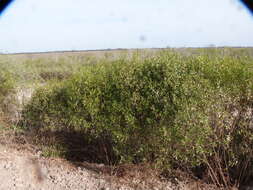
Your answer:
<point x="52" y="25"/>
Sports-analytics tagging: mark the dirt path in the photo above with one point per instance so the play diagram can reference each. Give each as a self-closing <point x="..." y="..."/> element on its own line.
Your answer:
<point x="28" y="172"/>
<point x="25" y="171"/>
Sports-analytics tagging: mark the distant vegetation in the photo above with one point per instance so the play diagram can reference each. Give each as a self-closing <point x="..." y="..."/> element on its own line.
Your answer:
<point x="6" y="89"/>
<point x="190" y="109"/>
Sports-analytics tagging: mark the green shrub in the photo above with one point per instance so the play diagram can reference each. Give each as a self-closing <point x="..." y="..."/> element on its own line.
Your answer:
<point x="232" y="119"/>
<point x="168" y="110"/>
<point x="127" y="101"/>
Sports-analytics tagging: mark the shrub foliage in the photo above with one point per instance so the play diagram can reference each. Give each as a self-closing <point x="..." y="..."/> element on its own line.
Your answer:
<point x="168" y="110"/>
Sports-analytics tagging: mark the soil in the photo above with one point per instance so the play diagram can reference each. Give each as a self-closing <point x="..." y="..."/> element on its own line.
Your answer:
<point x="26" y="171"/>
<point x="22" y="169"/>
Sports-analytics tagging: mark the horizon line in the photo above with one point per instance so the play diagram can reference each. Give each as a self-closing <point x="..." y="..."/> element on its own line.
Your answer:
<point x="119" y="49"/>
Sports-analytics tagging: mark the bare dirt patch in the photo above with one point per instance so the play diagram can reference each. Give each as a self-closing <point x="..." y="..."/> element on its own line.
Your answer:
<point x="22" y="167"/>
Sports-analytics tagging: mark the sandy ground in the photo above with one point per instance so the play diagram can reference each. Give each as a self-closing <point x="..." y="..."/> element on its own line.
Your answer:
<point x="24" y="170"/>
<point x="27" y="171"/>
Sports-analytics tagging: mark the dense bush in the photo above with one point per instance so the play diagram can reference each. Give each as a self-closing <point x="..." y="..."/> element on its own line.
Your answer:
<point x="129" y="102"/>
<point x="168" y="110"/>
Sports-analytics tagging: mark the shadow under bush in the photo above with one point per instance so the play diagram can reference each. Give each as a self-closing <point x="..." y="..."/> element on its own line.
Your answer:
<point x="73" y="145"/>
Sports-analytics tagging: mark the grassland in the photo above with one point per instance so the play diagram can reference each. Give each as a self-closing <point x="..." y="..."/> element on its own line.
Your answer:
<point x="187" y="109"/>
